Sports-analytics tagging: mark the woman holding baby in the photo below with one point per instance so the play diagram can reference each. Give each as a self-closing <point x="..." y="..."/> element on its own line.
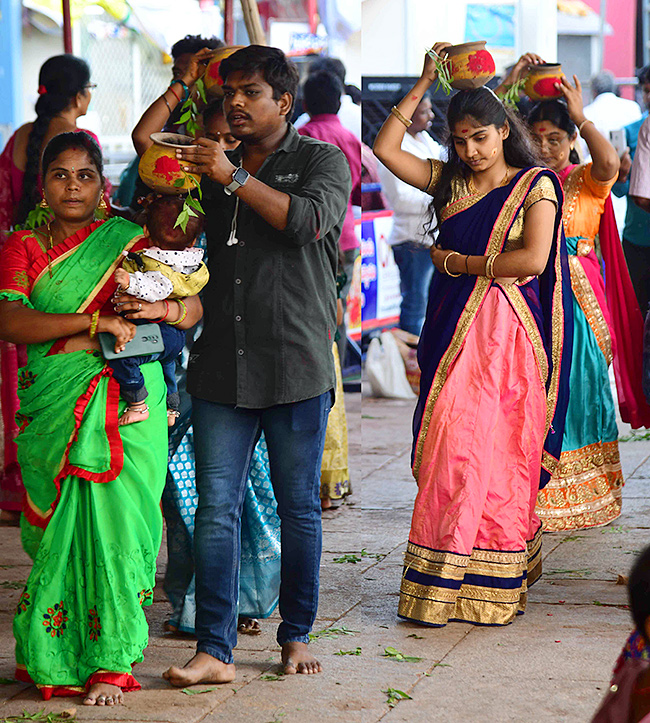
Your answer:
<point x="79" y="625"/>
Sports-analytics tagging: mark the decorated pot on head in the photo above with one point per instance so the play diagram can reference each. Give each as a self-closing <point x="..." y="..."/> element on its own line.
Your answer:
<point x="471" y="65"/>
<point x="541" y="80"/>
<point x="211" y="78"/>
<point x="161" y="170"/>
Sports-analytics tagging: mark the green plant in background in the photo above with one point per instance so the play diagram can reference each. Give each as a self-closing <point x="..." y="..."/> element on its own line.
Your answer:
<point x="443" y="68"/>
<point x="190" y="110"/>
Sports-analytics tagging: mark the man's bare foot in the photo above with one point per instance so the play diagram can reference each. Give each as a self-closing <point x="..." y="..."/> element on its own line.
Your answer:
<point x="104" y="694"/>
<point x="137" y="412"/>
<point x="172" y="416"/>
<point x="203" y="668"/>
<point x="248" y="626"/>
<point x="325" y="503"/>
<point x="296" y="658"/>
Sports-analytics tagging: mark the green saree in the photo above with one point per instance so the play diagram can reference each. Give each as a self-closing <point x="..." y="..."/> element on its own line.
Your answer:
<point x="92" y="521"/>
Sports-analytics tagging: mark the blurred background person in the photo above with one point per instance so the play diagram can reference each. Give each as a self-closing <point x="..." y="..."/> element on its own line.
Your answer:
<point x="322" y="92"/>
<point x="636" y="232"/>
<point x="64" y="93"/>
<point x="408" y="239"/>
<point x="349" y="112"/>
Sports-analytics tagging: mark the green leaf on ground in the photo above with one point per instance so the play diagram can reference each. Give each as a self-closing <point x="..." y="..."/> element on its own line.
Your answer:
<point x="393" y="696"/>
<point x="43" y="717"/>
<point x="347" y="558"/>
<point x="356" y="651"/>
<point x="332" y="633"/>
<point x="272" y="676"/>
<point x="396" y="655"/>
<point x="7" y="681"/>
<point x="13" y="584"/>
<point x="374" y="555"/>
<point x="189" y="691"/>
<point x="417" y="637"/>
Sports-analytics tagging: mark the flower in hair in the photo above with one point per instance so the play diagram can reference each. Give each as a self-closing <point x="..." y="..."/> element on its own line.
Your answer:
<point x="42" y="90"/>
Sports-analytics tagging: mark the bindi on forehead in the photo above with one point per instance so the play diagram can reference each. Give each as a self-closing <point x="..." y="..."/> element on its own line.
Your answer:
<point x="542" y="129"/>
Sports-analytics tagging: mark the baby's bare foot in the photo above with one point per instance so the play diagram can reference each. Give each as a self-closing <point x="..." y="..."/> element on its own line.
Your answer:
<point x="203" y="668"/>
<point x="296" y="658"/>
<point x="104" y="694"/>
<point x="137" y="412"/>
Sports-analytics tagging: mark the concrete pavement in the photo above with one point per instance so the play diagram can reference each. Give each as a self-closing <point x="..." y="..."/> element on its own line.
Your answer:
<point x="552" y="664"/>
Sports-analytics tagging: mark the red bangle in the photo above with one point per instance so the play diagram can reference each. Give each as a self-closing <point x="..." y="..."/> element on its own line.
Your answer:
<point x="178" y="98"/>
<point x="167" y="312"/>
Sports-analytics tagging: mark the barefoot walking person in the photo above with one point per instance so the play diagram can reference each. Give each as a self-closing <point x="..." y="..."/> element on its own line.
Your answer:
<point x="91" y="517"/>
<point x="491" y="353"/>
<point x="274" y="211"/>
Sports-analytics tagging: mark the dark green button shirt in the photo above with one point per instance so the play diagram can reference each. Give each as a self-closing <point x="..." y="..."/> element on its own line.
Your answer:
<point x="270" y="304"/>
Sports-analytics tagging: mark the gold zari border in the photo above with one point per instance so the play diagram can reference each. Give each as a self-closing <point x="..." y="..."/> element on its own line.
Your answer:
<point x="591" y="308"/>
<point x="467" y="316"/>
<point x="472" y="603"/>
<point x="585" y="491"/>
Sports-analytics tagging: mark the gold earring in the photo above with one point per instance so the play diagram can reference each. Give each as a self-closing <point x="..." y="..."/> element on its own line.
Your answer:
<point x="102" y="204"/>
<point x="43" y="203"/>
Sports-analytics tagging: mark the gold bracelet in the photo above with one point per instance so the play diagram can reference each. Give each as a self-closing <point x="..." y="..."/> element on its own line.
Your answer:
<point x="585" y="121"/>
<point x="400" y="117"/>
<point x="489" y="265"/>
<point x="94" y="321"/>
<point x="444" y="264"/>
<point x="183" y="309"/>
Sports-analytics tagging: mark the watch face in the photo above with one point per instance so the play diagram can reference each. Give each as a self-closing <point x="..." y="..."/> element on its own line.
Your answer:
<point x="240" y="175"/>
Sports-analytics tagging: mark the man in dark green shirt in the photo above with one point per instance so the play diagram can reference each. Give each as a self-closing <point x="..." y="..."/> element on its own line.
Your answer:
<point x="274" y="211"/>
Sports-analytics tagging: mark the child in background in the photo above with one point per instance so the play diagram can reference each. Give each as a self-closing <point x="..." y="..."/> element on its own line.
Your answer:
<point x="169" y="269"/>
<point x="628" y="699"/>
<point x="216" y="128"/>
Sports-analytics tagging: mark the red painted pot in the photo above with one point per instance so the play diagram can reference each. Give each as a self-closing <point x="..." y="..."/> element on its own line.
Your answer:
<point x="211" y="78"/>
<point x="541" y="80"/>
<point x="471" y="65"/>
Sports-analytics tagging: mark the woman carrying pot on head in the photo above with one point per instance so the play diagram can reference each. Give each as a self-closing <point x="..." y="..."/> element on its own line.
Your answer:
<point x="91" y="521"/>
<point x="493" y="355"/>
<point x="585" y="490"/>
<point x="64" y="95"/>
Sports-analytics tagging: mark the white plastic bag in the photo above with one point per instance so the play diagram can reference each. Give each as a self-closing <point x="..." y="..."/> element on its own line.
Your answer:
<point x="385" y="369"/>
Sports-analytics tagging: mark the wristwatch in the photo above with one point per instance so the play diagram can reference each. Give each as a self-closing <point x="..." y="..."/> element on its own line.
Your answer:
<point x="239" y="178"/>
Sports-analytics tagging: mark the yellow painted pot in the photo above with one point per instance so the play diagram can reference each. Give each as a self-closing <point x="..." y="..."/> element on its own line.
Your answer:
<point x="541" y="80"/>
<point x="160" y="169"/>
<point x="471" y="65"/>
<point x="211" y="78"/>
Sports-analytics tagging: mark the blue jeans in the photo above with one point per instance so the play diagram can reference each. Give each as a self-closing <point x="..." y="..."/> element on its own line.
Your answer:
<point x="224" y="439"/>
<point x="415" y="272"/>
<point x="127" y="372"/>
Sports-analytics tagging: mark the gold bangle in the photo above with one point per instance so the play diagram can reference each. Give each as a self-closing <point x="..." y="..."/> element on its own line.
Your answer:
<point x="584" y="122"/>
<point x="400" y="117"/>
<point x="444" y="264"/>
<point x="489" y="265"/>
<point x="94" y="321"/>
<point x="183" y="309"/>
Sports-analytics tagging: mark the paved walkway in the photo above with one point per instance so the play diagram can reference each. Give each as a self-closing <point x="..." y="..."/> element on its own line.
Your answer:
<point x="552" y="664"/>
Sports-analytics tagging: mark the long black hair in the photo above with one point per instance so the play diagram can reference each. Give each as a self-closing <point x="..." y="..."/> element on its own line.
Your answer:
<point x="66" y="141"/>
<point x="482" y="105"/>
<point x="557" y="113"/>
<point x="60" y="79"/>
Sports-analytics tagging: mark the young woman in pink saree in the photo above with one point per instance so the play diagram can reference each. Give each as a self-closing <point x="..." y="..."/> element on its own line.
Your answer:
<point x="64" y="95"/>
<point x="493" y="355"/>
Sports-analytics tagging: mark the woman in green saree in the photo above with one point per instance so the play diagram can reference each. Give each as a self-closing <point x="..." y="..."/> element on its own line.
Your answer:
<point x="91" y="516"/>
